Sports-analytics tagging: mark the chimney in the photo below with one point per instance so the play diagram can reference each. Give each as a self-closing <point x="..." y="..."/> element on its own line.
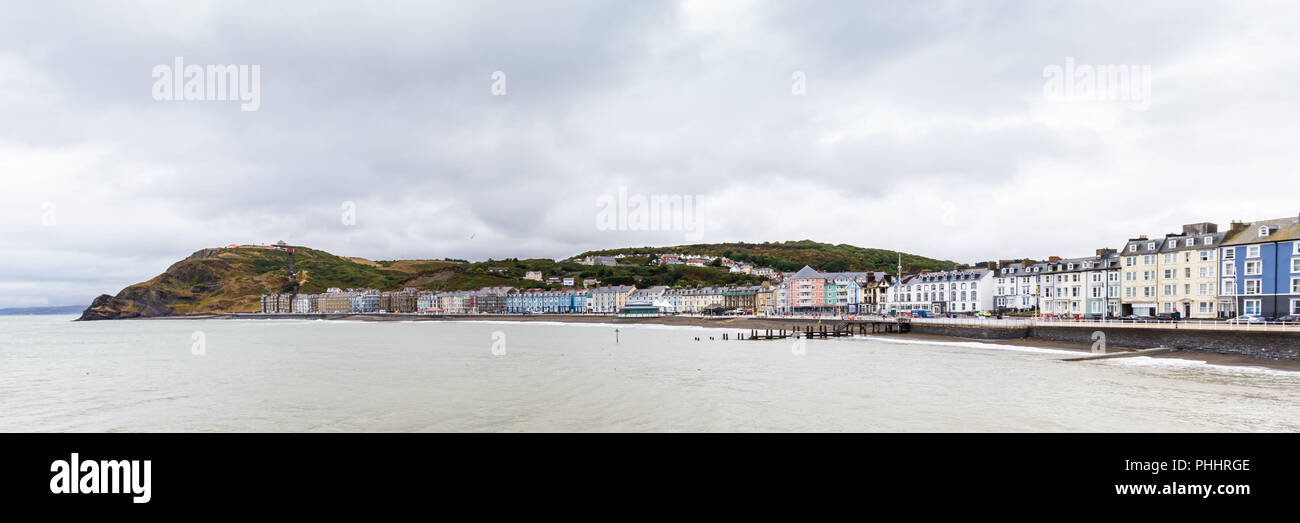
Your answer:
<point x="1053" y="259"/>
<point x="1200" y="228"/>
<point x="1236" y="227"/>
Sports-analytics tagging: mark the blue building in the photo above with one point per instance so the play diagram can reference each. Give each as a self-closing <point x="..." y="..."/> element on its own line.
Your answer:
<point x="1259" y="269"/>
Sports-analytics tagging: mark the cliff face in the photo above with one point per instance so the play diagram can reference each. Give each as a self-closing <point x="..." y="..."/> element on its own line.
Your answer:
<point x="181" y="289"/>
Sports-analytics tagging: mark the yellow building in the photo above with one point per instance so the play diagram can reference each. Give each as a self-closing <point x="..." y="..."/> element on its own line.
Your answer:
<point x="1187" y="279"/>
<point x="765" y="301"/>
<point x="1139" y="280"/>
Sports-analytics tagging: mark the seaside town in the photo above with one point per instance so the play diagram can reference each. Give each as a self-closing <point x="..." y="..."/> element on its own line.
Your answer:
<point x="1248" y="272"/>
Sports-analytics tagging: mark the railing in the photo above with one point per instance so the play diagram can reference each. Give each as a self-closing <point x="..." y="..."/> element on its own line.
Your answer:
<point x="1114" y="323"/>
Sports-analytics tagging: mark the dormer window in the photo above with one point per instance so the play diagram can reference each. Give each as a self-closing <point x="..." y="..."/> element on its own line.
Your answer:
<point x="1133" y="248"/>
<point x="1209" y="240"/>
<point x="1191" y="242"/>
<point x="1263" y="231"/>
<point x="1151" y="246"/>
<point x="1173" y="243"/>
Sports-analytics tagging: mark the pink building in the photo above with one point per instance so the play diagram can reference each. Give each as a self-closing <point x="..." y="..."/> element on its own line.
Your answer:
<point x="807" y="289"/>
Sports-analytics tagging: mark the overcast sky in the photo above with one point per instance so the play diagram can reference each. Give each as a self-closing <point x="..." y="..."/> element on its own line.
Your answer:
<point x="918" y="126"/>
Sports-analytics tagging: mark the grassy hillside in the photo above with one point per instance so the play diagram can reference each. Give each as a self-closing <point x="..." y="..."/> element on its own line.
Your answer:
<point x="792" y="256"/>
<point x="233" y="279"/>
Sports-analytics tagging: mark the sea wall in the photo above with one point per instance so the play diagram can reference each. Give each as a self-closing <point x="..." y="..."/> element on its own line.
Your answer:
<point x="979" y="332"/>
<point x="1264" y="345"/>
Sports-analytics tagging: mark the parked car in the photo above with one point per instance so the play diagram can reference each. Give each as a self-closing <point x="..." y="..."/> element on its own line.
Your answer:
<point x="1133" y="318"/>
<point x="982" y="314"/>
<point x="1167" y="316"/>
<point x="1289" y="318"/>
<point x="1247" y="318"/>
<point x="922" y="313"/>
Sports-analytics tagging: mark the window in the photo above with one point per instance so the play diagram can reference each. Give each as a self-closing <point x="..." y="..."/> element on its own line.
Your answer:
<point x="1295" y="264"/>
<point x="1252" y="251"/>
<point x="1295" y="285"/>
<point x="1251" y="306"/>
<point x="1295" y="306"/>
<point x="1254" y="286"/>
<point x="1229" y="254"/>
<point x="1203" y="256"/>
<point x="1169" y="257"/>
<point x="1130" y="261"/>
<point x="1263" y="231"/>
<point x="1173" y="244"/>
<point x="1205" y="289"/>
<point x="1187" y="272"/>
<point x="1149" y="259"/>
<point x="1133" y="248"/>
<point x="1151" y="246"/>
<point x="1205" y="307"/>
<point x="1148" y="292"/>
<point x="1129" y="292"/>
<point x="1229" y="286"/>
<point x="1229" y="268"/>
<point x="1254" y="267"/>
<point x="1171" y="290"/>
<point x="1169" y="274"/>
<point x="1295" y="248"/>
<point x="1203" y="272"/>
<point x="1191" y="242"/>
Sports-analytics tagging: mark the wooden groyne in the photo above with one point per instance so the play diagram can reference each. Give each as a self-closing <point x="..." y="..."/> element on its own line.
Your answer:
<point x="1126" y="354"/>
<point x="845" y="328"/>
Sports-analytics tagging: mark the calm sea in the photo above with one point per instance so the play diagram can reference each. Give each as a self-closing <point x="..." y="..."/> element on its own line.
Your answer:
<point x="298" y="375"/>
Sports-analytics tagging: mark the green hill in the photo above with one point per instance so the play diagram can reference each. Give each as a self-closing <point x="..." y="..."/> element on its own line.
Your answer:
<point x="792" y="256"/>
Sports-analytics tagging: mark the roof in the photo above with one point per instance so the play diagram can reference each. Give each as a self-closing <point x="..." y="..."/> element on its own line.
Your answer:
<point x="1280" y="229"/>
<point x="1198" y="242"/>
<point x="1143" y="246"/>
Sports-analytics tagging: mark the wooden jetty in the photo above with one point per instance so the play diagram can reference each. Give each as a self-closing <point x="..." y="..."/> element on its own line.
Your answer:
<point x="835" y="330"/>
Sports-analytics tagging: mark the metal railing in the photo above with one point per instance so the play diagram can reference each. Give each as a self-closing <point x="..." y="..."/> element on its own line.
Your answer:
<point x="1194" y="324"/>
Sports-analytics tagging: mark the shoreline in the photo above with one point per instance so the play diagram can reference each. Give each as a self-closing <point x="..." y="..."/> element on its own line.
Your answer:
<point x="745" y="324"/>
